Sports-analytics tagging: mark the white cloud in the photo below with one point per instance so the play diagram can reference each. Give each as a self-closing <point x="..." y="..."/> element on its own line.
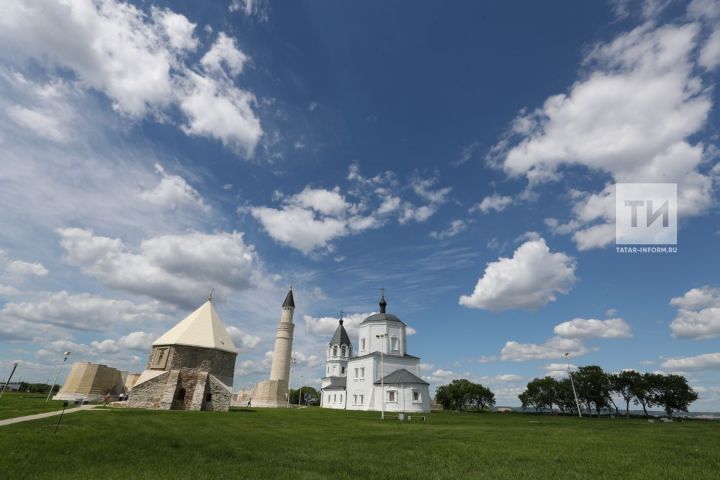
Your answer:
<point x="631" y="115"/>
<point x="44" y="125"/>
<point x="324" y="327"/>
<point x="705" y="361"/>
<point x="456" y="226"/>
<point x="252" y="8"/>
<point x="179" y="269"/>
<point x="310" y="220"/>
<point x="172" y="191"/>
<point x="138" y="61"/>
<point x="554" y="348"/>
<point x="224" y="55"/>
<point x="508" y="377"/>
<point x="302" y="359"/>
<point x="139" y="341"/>
<point x="698" y="314"/>
<point x="243" y="339"/>
<point x="179" y="30"/>
<point x="530" y="279"/>
<point x="558" y="370"/>
<point x="494" y="202"/>
<point x="216" y="108"/>
<point x="326" y="202"/>
<point x="82" y="311"/>
<point x="18" y="267"/>
<point x="588" y="328"/>
<point x="299" y="228"/>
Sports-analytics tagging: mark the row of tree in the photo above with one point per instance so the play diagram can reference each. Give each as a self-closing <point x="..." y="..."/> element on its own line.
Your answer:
<point x="597" y="390"/>
<point x="464" y="395"/>
<point x="304" y="396"/>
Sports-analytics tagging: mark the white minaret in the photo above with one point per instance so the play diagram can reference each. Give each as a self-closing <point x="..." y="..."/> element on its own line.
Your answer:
<point x="283" y="341"/>
<point x="273" y="392"/>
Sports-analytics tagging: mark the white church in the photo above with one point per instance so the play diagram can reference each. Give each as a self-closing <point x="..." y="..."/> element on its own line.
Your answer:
<point x="380" y="371"/>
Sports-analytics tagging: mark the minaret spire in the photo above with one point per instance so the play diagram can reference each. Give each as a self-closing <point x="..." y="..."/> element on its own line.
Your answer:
<point x="341" y="315"/>
<point x="210" y="296"/>
<point x="383" y="303"/>
<point x="289" y="299"/>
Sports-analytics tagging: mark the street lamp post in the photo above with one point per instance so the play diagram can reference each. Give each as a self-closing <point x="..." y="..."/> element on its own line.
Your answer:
<point x="300" y="391"/>
<point x="382" y="336"/>
<point x="15" y="364"/>
<point x="57" y="374"/>
<point x="577" y="403"/>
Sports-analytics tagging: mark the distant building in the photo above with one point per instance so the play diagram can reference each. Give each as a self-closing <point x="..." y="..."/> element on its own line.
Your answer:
<point x="190" y="367"/>
<point x="381" y="371"/>
<point x="91" y="381"/>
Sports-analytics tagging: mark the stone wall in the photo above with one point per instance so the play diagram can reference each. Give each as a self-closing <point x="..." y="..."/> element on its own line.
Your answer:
<point x="183" y="389"/>
<point x="270" y="394"/>
<point x="181" y="357"/>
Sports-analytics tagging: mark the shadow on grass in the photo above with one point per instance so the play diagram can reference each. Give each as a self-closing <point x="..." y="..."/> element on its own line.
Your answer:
<point x="242" y="410"/>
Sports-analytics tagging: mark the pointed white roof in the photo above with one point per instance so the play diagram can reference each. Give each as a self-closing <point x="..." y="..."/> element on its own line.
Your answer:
<point x="202" y="328"/>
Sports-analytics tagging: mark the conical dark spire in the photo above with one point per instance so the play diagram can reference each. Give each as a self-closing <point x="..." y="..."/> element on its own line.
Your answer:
<point x="289" y="300"/>
<point x="383" y="303"/>
<point x="341" y="336"/>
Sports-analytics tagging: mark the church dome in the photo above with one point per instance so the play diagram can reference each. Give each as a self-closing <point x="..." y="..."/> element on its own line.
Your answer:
<point x="382" y="316"/>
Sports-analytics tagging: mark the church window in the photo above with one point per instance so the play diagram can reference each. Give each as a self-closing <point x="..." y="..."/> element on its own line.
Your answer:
<point x="342" y="370"/>
<point x="334" y="397"/>
<point x="395" y="344"/>
<point x="361" y="399"/>
<point x="416" y="396"/>
<point x="354" y="399"/>
<point x="341" y="398"/>
<point x="362" y="344"/>
<point x="356" y="372"/>
<point x="328" y="369"/>
<point x="343" y="350"/>
<point x="391" y="396"/>
<point x="362" y="372"/>
<point x="335" y="351"/>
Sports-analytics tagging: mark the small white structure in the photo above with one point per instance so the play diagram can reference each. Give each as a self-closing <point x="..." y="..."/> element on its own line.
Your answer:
<point x="381" y="372"/>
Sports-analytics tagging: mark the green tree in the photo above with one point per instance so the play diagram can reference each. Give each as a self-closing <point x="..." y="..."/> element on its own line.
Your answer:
<point x="310" y="396"/>
<point x="673" y="393"/>
<point x="541" y="393"/>
<point x="643" y="390"/>
<point x="624" y="384"/>
<point x="464" y="395"/>
<point x="593" y="387"/>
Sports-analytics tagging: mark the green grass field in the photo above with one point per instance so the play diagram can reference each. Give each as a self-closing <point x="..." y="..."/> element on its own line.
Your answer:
<point x="20" y="404"/>
<point x="313" y="443"/>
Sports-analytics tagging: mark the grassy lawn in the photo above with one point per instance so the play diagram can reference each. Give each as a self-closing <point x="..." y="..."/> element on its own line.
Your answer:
<point x="14" y="404"/>
<point x="314" y="443"/>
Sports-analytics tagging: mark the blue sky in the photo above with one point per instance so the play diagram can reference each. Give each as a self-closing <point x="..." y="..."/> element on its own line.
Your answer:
<point x="462" y="157"/>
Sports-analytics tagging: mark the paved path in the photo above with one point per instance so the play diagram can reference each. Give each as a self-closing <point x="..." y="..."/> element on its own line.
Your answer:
<point x="10" y="421"/>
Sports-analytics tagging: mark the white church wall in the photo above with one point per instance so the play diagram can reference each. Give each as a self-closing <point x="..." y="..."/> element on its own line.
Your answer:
<point x="368" y="341"/>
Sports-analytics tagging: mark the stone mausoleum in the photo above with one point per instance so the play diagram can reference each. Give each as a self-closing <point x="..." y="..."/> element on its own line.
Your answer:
<point x="190" y="367"/>
<point x="91" y="381"/>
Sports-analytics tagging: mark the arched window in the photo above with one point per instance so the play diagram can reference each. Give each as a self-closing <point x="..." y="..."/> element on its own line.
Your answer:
<point x="181" y="394"/>
<point x="344" y="350"/>
<point x="335" y="351"/>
